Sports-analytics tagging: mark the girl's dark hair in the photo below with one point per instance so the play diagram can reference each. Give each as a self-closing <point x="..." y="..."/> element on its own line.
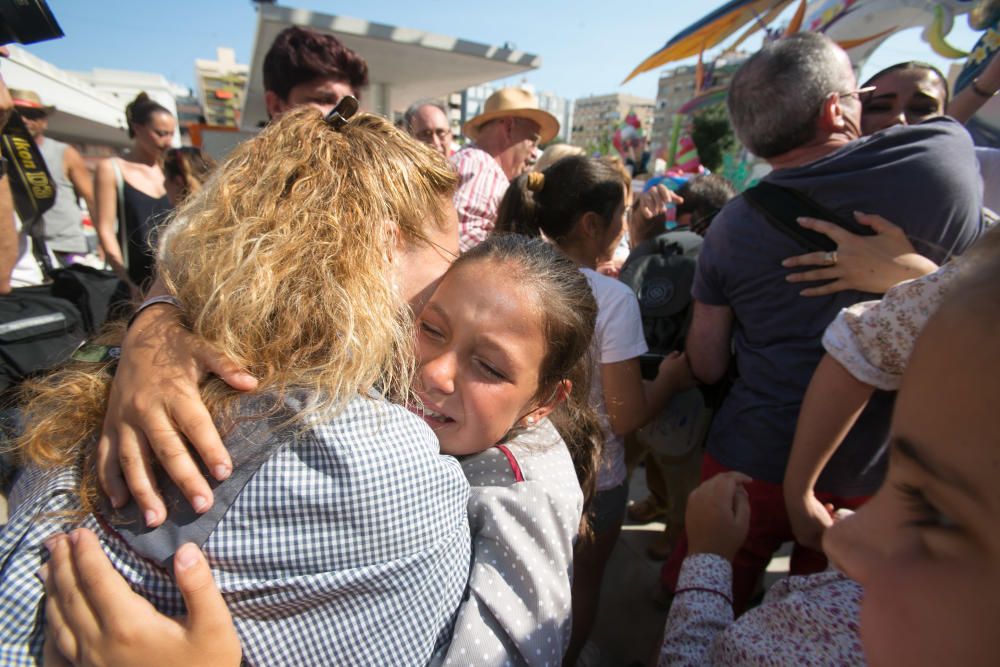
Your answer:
<point x="569" y="313"/>
<point x="140" y="110"/>
<point x="912" y="65"/>
<point x="553" y="200"/>
<point x="190" y="164"/>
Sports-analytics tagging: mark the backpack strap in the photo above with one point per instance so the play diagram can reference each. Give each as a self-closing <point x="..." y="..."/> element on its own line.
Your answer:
<point x="782" y="207"/>
<point x="251" y="443"/>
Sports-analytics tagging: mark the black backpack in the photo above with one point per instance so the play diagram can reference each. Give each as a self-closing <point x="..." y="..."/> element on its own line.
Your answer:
<point x="661" y="273"/>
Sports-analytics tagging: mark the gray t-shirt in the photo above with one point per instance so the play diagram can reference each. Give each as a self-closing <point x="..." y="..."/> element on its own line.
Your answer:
<point x="922" y="177"/>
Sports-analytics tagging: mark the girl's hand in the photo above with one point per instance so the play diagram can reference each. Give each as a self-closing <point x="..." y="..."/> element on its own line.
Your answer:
<point x="155" y="408"/>
<point x="717" y="519"/>
<point x="809" y="518"/>
<point x="94" y="618"/>
<point x="864" y="263"/>
<point x="650" y="213"/>
<point x="675" y="366"/>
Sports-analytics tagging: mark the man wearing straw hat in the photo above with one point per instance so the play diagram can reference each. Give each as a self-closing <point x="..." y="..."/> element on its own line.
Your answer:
<point x="504" y="138"/>
<point x="63" y="222"/>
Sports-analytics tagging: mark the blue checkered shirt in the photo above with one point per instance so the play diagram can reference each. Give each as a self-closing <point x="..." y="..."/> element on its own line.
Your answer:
<point x="349" y="546"/>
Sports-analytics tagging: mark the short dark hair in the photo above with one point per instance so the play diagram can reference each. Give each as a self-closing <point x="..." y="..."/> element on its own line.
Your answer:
<point x="299" y="55"/>
<point x="911" y="65"/>
<point x="704" y="196"/>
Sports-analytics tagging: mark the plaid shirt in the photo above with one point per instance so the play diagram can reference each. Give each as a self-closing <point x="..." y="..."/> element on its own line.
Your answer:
<point x="350" y="545"/>
<point x="481" y="186"/>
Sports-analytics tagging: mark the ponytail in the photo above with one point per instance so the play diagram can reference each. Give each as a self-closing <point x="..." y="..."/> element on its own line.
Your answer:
<point x="552" y="201"/>
<point x="578" y="425"/>
<point x="518" y="213"/>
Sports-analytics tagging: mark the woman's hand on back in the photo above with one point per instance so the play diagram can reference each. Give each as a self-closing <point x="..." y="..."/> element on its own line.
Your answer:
<point x="155" y="409"/>
<point x="93" y="619"/>
<point x="864" y="263"/>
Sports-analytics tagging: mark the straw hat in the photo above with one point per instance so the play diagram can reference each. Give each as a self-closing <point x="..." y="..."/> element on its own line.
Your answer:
<point x="513" y="102"/>
<point x="29" y="99"/>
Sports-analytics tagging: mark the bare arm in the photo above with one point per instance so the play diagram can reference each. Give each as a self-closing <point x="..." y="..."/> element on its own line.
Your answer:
<point x="864" y="263"/>
<point x="830" y="408"/>
<point x="9" y="245"/>
<point x="79" y="176"/>
<point x="630" y="402"/>
<point x="709" y="342"/>
<point x="967" y="102"/>
<point x="105" y="217"/>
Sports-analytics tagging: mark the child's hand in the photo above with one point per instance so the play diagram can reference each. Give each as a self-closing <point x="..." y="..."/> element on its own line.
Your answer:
<point x="718" y="515"/>
<point x="95" y="620"/>
<point x="809" y="519"/>
<point x="676" y="367"/>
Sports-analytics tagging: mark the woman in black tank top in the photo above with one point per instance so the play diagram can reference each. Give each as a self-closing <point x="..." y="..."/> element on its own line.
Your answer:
<point x="142" y="204"/>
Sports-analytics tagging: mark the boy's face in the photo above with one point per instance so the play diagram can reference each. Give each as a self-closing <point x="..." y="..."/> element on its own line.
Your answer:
<point x="322" y="93"/>
<point x="480" y="346"/>
<point x="926" y="548"/>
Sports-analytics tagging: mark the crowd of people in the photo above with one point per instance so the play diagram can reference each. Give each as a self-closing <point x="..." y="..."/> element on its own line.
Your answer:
<point x="373" y="400"/>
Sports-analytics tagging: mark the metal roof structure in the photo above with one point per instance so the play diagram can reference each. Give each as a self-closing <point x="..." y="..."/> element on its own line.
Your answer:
<point x="404" y="65"/>
<point x="83" y="113"/>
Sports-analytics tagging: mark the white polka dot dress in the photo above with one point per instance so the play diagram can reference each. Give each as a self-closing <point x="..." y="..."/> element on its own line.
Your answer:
<point x="517" y="606"/>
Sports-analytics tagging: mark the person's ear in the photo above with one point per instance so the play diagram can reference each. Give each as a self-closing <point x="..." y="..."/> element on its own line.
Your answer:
<point x="831" y="114"/>
<point x="508" y="128"/>
<point x="560" y="394"/>
<point x="274" y="104"/>
<point x="592" y="225"/>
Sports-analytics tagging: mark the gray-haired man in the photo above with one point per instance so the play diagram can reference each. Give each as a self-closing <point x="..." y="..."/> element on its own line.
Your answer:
<point x="427" y="121"/>
<point x="796" y="104"/>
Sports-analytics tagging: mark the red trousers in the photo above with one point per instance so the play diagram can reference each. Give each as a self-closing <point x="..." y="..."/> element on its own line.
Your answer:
<point x="769" y="529"/>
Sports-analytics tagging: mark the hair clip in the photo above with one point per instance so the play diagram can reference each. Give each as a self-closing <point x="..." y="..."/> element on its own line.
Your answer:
<point x="345" y="109"/>
<point x="536" y="181"/>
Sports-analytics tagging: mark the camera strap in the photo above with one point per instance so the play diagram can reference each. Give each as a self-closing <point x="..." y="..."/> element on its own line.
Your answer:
<point x="30" y="184"/>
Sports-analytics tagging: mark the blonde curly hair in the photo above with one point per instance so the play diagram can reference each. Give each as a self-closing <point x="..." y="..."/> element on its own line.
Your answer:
<point x="283" y="261"/>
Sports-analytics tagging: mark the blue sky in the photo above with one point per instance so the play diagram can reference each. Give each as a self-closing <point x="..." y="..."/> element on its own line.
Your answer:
<point x="587" y="46"/>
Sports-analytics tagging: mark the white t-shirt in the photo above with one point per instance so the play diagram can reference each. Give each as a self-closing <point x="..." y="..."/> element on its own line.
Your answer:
<point x="26" y="272"/>
<point x="617" y="337"/>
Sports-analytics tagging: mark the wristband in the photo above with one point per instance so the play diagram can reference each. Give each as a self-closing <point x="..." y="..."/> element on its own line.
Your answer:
<point x="152" y="301"/>
<point x="979" y="91"/>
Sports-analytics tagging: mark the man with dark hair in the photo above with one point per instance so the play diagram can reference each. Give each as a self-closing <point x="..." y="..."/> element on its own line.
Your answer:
<point x="704" y="196"/>
<point x="924" y="177"/>
<point x="304" y="66"/>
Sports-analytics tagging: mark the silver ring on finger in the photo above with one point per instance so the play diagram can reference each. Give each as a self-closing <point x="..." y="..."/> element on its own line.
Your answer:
<point x="830" y="258"/>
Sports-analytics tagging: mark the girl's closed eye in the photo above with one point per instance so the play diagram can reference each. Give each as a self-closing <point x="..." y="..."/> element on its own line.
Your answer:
<point x="490" y="370"/>
<point x="925" y="514"/>
<point x="430" y="331"/>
